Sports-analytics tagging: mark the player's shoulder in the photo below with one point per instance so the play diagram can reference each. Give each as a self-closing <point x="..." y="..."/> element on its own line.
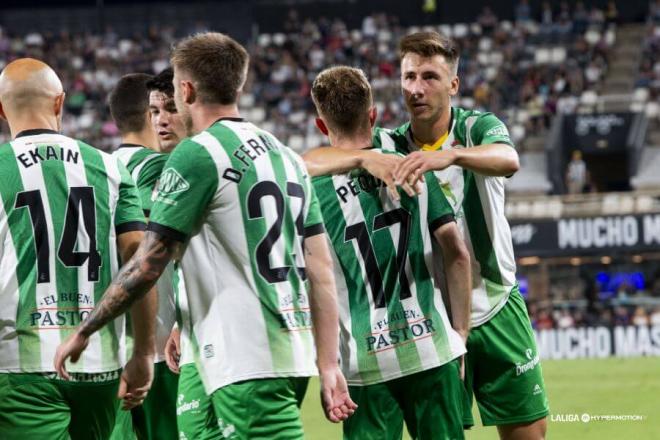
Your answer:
<point x="391" y="139"/>
<point x="471" y="117"/>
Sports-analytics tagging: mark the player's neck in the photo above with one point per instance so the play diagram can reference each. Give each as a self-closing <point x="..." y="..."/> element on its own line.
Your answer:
<point x="354" y="142"/>
<point x="428" y="132"/>
<point x="203" y="116"/>
<point x="147" y="138"/>
<point x="17" y="125"/>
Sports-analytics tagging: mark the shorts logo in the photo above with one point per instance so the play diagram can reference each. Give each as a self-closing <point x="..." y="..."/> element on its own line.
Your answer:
<point x="183" y="407"/>
<point x="227" y="429"/>
<point x="522" y="368"/>
<point x="537" y="390"/>
<point x="209" y="352"/>
<point x="171" y="182"/>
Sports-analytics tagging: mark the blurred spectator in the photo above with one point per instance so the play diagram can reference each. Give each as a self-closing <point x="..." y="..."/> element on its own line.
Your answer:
<point x="544" y="320"/>
<point x="654" y="319"/>
<point x="576" y="174"/>
<point x="621" y="316"/>
<point x="640" y="317"/>
<point x="565" y="320"/>
<point x="523" y="12"/>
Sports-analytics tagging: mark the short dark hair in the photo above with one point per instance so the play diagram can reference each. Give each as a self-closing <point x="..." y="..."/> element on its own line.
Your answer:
<point x="162" y="82"/>
<point x="428" y="44"/>
<point x="342" y="96"/>
<point x="216" y="63"/>
<point x="129" y="102"/>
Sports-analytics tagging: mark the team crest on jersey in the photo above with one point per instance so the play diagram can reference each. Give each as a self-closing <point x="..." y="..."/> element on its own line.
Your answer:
<point x="171" y="182"/>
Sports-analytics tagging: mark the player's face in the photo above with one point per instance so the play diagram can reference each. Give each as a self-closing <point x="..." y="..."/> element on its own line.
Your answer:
<point x="181" y="107"/>
<point x="166" y="120"/>
<point x="427" y="84"/>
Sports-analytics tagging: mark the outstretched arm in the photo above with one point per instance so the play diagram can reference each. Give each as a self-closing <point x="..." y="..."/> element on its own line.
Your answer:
<point x="488" y="160"/>
<point x="336" y="401"/>
<point x="132" y="282"/>
<point x="332" y="160"/>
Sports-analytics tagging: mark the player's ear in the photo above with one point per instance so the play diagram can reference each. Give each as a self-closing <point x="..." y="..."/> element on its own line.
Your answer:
<point x="455" y="83"/>
<point x="58" y="105"/>
<point x="188" y="92"/>
<point x="373" y="114"/>
<point x="321" y="126"/>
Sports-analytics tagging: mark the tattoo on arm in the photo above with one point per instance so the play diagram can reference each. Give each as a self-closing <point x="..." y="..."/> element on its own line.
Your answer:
<point x="133" y="281"/>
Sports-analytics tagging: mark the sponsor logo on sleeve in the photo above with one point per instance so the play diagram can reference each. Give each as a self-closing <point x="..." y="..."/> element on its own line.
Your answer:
<point x="171" y="182"/>
<point x="499" y="130"/>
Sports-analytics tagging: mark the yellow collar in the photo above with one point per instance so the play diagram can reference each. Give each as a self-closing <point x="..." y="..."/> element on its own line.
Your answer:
<point x="432" y="147"/>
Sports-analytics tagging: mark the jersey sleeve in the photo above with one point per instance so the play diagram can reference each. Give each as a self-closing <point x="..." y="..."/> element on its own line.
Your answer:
<point x="488" y="129"/>
<point x="147" y="180"/>
<point x="128" y="215"/>
<point x="185" y="188"/>
<point x="439" y="210"/>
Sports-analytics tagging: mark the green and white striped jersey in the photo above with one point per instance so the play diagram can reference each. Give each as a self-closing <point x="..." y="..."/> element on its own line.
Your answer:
<point x="393" y="321"/>
<point x="62" y="206"/>
<point x="478" y="202"/>
<point x="183" y="320"/>
<point x="242" y="202"/>
<point x="145" y="166"/>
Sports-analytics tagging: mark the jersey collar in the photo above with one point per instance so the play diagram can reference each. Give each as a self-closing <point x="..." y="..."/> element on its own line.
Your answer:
<point x="437" y="145"/>
<point x="130" y="146"/>
<point x="35" y="131"/>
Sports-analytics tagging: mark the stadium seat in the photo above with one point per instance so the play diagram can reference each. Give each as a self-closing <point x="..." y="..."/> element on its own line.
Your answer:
<point x="445" y="29"/>
<point x="641" y="94"/>
<point x="592" y="36"/>
<point x="558" y="55"/>
<point x="257" y="115"/>
<point x="264" y="40"/>
<point x="246" y="100"/>
<point x="542" y="56"/>
<point x="279" y="39"/>
<point x="461" y="30"/>
<point x="297" y="143"/>
<point x="485" y="44"/>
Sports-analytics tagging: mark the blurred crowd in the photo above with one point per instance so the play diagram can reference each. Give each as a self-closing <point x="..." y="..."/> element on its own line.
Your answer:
<point x="546" y="318"/>
<point x="525" y="70"/>
<point x="649" y="69"/>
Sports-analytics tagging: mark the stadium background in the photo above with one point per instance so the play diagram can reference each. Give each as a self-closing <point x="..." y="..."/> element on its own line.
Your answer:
<point x="563" y="76"/>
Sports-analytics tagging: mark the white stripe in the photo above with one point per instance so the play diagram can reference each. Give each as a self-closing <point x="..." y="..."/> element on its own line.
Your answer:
<point x="46" y="293"/>
<point x="114" y="181"/>
<point x="136" y="171"/>
<point x="9" y="296"/>
<point x="387" y="360"/>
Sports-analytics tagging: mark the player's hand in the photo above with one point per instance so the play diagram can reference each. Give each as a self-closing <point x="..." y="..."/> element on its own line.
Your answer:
<point x="173" y="351"/>
<point x="72" y="348"/>
<point x="336" y="401"/>
<point x="382" y="167"/>
<point x="136" y="380"/>
<point x="413" y="166"/>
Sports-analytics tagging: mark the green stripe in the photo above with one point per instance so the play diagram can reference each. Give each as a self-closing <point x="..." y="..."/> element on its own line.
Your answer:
<point x="482" y="243"/>
<point x="20" y="227"/>
<point x="358" y="296"/>
<point x="424" y="282"/>
<point x="97" y="176"/>
<point x="66" y="278"/>
<point x="255" y="230"/>
<point x="385" y="250"/>
<point x="294" y="277"/>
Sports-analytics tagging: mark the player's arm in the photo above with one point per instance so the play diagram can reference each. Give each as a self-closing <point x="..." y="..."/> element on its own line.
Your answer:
<point x="456" y="258"/>
<point x="493" y="153"/>
<point x="333" y="160"/>
<point x="458" y="272"/>
<point x="323" y="304"/>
